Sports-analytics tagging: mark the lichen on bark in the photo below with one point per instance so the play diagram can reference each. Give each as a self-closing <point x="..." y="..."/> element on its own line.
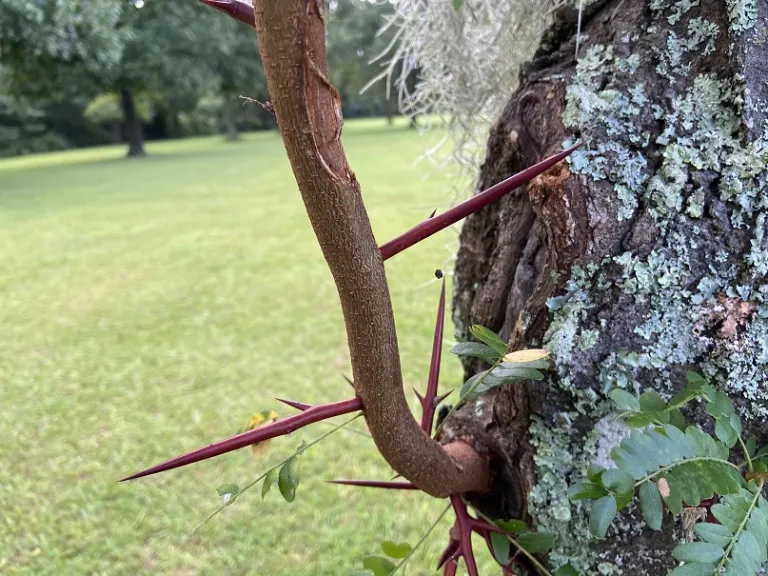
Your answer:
<point x="648" y="256"/>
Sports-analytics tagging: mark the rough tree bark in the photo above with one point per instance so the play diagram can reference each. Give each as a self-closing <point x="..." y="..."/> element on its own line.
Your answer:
<point x="132" y="127"/>
<point x="644" y="256"/>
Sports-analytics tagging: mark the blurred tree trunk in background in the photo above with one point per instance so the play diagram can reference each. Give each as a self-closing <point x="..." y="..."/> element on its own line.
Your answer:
<point x="228" y="116"/>
<point x="132" y="128"/>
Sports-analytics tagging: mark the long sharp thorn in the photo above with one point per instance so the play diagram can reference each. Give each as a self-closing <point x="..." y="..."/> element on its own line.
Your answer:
<point x="448" y="553"/>
<point x="449" y="217"/>
<point x="421" y="398"/>
<point x="439" y="399"/>
<point x="428" y="413"/>
<point x="298" y="405"/>
<point x="349" y="381"/>
<point x="279" y="428"/>
<point x="237" y="9"/>
<point x="376" y="484"/>
<point x="433" y="213"/>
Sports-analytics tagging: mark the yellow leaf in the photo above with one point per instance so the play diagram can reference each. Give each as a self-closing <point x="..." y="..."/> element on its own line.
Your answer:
<point x="526" y="355"/>
<point x="257" y="420"/>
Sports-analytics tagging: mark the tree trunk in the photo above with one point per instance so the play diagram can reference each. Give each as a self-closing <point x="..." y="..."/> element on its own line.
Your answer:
<point x="133" y="130"/>
<point x="644" y="256"/>
<point x="229" y="109"/>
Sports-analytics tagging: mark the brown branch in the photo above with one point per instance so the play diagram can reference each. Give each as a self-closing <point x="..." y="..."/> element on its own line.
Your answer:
<point x="291" y="36"/>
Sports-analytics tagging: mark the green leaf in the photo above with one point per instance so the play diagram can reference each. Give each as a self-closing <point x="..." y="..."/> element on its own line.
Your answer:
<point x="640" y="420"/>
<point x="602" y="514"/>
<point x="586" y="491"/>
<point x="695" y="381"/>
<point x="594" y="472"/>
<point x="500" y="545"/>
<point x="716" y="534"/>
<point x="674" y="499"/>
<point x="726" y="432"/>
<point x="379" y="565"/>
<point x="617" y="481"/>
<point x="288" y="481"/>
<point x="457" y="4"/>
<point x="694" y="569"/>
<point x="751" y="445"/>
<point x="394" y="550"/>
<point x="269" y="480"/>
<point x="701" y="552"/>
<point x="535" y="542"/>
<point x="677" y="419"/>
<point x="491" y="338"/>
<point x="650" y="504"/>
<point x="650" y="401"/>
<point x="566" y="570"/>
<point x="624" y="400"/>
<point x="231" y="489"/>
<point x="512" y="526"/>
<point x="476" y="350"/>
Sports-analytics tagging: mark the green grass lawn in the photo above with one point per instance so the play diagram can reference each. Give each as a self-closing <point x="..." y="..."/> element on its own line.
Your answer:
<point x="149" y="307"/>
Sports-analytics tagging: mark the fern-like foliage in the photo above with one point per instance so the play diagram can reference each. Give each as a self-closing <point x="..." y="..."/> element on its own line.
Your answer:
<point x="668" y="463"/>
<point x="736" y="546"/>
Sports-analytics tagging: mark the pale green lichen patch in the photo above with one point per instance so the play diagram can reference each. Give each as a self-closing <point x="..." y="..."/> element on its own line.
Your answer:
<point x="742" y="14"/>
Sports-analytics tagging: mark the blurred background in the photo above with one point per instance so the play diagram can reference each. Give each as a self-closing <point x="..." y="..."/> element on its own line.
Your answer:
<point x="152" y="306"/>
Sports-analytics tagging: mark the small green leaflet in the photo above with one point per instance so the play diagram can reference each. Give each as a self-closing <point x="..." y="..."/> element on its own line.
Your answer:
<point x="586" y="491"/>
<point x="566" y="570"/>
<point x="535" y="542"/>
<point x="457" y="4"/>
<point x="702" y="552"/>
<point x="476" y="349"/>
<point x="288" y="481"/>
<point x="490" y="338"/>
<point x="602" y="514"/>
<point x="512" y="526"/>
<point x="394" y="550"/>
<point x="229" y="492"/>
<point x="269" y="480"/>
<point x="650" y="504"/>
<point x="379" y="565"/>
<point x="227" y="489"/>
<point x="694" y="569"/>
<point x="624" y="400"/>
<point x="501" y="546"/>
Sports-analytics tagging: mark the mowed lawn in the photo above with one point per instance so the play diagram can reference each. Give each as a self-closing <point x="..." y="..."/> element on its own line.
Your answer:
<point x="149" y="307"/>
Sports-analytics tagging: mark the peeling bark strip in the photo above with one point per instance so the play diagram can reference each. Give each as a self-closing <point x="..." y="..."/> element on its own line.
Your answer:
<point x="292" y="41"/>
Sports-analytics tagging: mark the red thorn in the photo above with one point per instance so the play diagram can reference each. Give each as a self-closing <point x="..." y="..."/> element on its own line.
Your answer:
<point x="279" y="428"/>
<point x="349" y="381"/>
<point x="428" y="402"/>
<point x="439" y="399"/>
<point x="464" y="524"/>
<point x="298" y="405"/>
<point x="433" y="213"/>
<point x="449" y="217"/>
<point x="451" y="568"/>
<point x="237" y="9"/>
<point x="420" y="397"/>
<point x="449" y="553"/>
<point x="376" y="484"/>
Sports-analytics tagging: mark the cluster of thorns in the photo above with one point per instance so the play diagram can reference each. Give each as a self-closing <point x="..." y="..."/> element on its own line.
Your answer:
<point x="460" y="543"/>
